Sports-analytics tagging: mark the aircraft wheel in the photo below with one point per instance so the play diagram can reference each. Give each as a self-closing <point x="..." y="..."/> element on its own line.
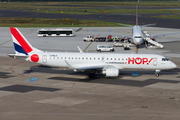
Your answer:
<point x="91" y="75"/>
<point x="157" y="74"/>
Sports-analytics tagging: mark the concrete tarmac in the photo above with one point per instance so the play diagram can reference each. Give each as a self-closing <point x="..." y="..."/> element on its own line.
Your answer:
<point x="32" y="91"/>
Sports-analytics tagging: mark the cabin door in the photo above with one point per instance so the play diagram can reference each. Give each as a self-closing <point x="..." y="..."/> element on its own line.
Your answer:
<point x="155" y="61"/>
<point x="44" y="58"/>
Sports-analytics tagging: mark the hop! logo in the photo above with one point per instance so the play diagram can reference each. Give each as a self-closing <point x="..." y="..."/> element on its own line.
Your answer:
<point x="139" y="60"/>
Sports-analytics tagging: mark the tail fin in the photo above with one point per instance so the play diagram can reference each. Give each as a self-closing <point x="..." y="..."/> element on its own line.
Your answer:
<point x="21" y="45"/>
<point x="136" y="15"/>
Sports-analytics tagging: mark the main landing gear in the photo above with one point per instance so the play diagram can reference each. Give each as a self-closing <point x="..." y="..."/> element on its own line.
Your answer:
<point x="157" y="73"/>
<point x="92" y="74"/>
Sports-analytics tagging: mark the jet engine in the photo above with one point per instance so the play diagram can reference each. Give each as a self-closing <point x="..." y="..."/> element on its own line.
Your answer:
<point x="111" y="72"/>
<point x="122" y="39"/>
<point x="152" y="38"/>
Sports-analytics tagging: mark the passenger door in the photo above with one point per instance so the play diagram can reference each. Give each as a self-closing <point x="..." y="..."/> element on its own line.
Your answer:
<point x="155" y="61"/>
<point x="44" y="58"/>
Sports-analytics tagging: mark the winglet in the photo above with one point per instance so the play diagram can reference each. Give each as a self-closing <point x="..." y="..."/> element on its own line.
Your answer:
<point x="79" y="49"/>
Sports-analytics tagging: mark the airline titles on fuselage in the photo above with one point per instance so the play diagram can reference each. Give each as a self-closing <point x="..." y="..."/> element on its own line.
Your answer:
<point x="129" y="60"/>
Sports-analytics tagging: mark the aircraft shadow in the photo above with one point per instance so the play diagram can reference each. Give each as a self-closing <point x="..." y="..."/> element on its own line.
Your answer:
<point x="104" y="80"/>
<point x="5" y="75"/>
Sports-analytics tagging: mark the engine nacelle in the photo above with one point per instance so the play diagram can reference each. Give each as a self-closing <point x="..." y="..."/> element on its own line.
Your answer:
<point x="152" y="38"/>
<point x="111" y="72"/>
<point x="122" y="39"/>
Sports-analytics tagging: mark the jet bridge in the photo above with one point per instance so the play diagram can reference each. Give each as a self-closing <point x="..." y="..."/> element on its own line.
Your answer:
<point x="149" y="40"/>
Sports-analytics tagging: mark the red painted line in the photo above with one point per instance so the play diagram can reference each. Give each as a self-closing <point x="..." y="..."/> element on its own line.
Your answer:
<point x="20" y="74"/>
<point x="20" y="39"/>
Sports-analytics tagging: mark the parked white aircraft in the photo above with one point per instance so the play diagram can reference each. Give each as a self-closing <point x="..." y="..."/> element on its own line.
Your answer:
<point x="107" y="64"/>
<point x="138" y="36"/>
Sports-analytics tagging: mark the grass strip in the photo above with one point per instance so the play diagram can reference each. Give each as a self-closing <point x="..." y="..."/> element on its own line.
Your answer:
<point x="100" y="11"/>
<point x="168" y="16"/>
<point x="40" y="22"/>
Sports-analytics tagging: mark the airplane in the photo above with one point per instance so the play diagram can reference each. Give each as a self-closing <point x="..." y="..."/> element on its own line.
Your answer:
<point x="106" y="64"/>
<point x="138" y="36"/>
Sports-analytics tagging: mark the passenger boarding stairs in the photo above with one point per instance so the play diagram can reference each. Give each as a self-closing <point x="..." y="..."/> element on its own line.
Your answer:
<point x="148" y="39"/>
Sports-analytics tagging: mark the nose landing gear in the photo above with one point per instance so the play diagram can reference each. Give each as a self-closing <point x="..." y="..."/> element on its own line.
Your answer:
<point x="157" y="73"/>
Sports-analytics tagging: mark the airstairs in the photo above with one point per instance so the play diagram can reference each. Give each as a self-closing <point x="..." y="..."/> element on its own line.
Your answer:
<point x="149" y="40"/>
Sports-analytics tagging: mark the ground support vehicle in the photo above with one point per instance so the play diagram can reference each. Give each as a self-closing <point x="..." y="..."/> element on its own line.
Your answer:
<point x="89" y="38"/>
<point x="126" y="45"/>
<point x="100" y="39"/>
<point x="104" y="48"/>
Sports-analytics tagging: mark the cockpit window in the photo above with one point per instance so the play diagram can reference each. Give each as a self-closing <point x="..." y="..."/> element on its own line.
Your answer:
<point x="165" y="59"/>
<point x="138" y="36"/>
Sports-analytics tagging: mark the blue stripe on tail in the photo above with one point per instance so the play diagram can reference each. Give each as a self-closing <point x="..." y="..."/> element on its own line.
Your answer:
<point x="19" y="49"/>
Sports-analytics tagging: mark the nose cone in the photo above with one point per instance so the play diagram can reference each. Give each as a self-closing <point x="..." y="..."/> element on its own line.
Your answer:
<point x="138" y="41"/>
<point x="173" y="65"/>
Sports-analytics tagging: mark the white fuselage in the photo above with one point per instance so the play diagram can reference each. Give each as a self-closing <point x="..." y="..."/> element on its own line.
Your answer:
<point x="137" y="35"/>
<point x="119" y="61"/>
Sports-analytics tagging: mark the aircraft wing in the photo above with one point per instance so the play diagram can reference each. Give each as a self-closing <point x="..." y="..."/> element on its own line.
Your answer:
<point x="84" y="68"/>
<point x="125" y="25"/>
<point x="98" y="67"/>
<point x="148" y="25"/>
<point x="91" y="68"/>
<point x="113" y="34"/>
<point x="79" y="29"/>
<point x="164" y="34"/>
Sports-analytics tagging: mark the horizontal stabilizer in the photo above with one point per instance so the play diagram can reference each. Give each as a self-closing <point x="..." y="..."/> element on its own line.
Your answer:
<point x="18" y="55"/>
